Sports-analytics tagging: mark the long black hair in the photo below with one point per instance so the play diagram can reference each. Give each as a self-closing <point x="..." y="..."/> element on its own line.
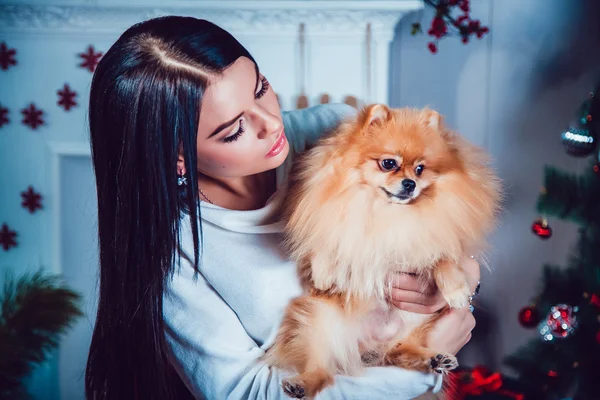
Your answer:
<point x="145" y="101"/>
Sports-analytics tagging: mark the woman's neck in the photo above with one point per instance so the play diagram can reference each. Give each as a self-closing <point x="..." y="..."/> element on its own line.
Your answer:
<point x="240" y="193"/>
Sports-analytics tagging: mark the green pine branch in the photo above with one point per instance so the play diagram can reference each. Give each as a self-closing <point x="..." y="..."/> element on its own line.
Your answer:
<point x="34" y="311"/>
<point x="570" y="197"/>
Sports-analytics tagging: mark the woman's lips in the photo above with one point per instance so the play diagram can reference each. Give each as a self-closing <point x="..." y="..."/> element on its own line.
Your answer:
<point x="278" y="146"/>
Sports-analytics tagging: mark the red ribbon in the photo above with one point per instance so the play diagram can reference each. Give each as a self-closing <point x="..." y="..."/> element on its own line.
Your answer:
<point x="479" y="381"/>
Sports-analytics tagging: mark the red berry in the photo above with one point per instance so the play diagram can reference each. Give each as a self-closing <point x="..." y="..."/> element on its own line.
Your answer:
<point x="465" y="39"/>
<point x="432" y="47"/>
<point x="464" y="5"/>
<point x="462" y="18"/>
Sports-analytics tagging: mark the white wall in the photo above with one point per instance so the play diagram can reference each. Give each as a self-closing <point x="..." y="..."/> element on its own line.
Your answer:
<point x="513" y="92"/>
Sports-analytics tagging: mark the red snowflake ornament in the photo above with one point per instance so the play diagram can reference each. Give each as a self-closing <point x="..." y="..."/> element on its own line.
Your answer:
<point x="32" y="116"/>
<point x="7" y="237"/>
<point x="90" y="59"/>
<point x="3" y="116"/>
<point x="31" y="200"/>
<point x="66" y="97"/>
<point x="7" y="56"/>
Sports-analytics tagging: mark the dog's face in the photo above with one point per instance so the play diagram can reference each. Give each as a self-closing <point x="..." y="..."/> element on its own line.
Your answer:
<point x="401" y="153"/>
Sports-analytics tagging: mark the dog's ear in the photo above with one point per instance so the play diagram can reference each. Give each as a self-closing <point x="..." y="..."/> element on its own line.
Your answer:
<point x="433" y="119"/>
<point x="374" y="114"/>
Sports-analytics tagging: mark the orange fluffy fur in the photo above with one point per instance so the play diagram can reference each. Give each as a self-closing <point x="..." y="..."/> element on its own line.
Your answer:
<point x="351" y="224"/>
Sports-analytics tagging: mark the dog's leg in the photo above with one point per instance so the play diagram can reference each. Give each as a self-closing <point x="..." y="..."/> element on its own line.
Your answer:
<point x="412" y="354"/>
<point x="417" y="358"/>
<point x="452" y="282"/>
<point x="316" y="340"/>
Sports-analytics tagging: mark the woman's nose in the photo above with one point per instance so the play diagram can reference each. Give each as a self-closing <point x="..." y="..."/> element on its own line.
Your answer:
<point x="270" y="124"/>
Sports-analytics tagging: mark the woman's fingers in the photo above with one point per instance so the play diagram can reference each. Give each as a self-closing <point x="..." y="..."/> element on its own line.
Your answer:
<point x="417" y="302"/>
<point x="408" y="282"/>
<point x="417" y="308"/>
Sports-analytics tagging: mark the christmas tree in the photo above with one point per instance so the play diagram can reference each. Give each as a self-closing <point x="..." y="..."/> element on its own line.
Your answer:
<point x="561" y="361"/>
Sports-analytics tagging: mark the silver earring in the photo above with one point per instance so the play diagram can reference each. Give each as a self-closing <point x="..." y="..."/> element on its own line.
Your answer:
<point x="181" y="180"/>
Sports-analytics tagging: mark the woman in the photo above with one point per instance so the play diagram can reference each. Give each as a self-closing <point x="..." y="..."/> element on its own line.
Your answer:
<point x="189" y="150"/>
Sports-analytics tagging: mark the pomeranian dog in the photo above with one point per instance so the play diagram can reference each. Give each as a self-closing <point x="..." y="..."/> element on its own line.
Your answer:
<point x="390" y="191"/>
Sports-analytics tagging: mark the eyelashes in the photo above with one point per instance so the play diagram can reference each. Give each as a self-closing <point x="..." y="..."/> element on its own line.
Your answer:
<point x="237" y="134"/>
<point x="264" y="88"/>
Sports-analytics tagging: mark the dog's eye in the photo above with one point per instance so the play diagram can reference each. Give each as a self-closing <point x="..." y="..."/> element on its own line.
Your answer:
<point x="419" y="169"/>
<point x="389" y="164"/>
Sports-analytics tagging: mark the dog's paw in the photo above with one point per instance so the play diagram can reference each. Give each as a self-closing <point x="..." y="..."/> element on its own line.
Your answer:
<point x="293" y="389"/>
<point x="458" y="298"/>
<point x="443" y="363"/>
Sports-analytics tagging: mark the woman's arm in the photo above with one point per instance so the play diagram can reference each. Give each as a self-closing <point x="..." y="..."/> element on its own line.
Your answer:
<point x="304" y="127"/>
<point x="217" y="359"/>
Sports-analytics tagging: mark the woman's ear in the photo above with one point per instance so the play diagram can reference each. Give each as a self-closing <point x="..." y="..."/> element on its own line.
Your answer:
<point x="180" y="161"/>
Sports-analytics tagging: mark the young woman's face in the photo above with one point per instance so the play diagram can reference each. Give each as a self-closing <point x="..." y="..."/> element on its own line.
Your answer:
<point x="240" y="130"/>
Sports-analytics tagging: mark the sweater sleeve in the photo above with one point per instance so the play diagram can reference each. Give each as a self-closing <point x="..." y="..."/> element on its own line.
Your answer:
<point x="304" y="127"/>
<point x="216" y="358"/>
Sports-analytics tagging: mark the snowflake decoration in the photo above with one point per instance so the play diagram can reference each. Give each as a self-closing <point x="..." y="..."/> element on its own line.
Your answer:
<point x="66" y="97"/>
<point x="7" y="237"/>
<point x="3" y="116"/>
<point x="7" y="56"/>
<point x="90" y="59"/>
<point x="31" y="200"/>
<point x="32" y="116"/>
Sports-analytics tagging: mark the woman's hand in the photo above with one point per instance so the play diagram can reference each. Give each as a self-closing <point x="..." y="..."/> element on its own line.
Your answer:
<point x="411" y="294"/>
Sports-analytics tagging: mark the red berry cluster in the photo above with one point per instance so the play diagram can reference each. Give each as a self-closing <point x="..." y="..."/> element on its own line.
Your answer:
<point x="443" y="20"/>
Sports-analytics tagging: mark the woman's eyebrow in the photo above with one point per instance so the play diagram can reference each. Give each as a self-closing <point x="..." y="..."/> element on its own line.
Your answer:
<point x="257" y="77"/>
<point x="225" y="125"/>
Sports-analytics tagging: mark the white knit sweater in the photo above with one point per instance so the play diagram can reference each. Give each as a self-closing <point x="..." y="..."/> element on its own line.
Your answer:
<point x="218" y="325"/>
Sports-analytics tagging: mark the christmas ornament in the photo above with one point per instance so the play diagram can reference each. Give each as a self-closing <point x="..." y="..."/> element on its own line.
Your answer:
<point x="578" y="142"/>
<point x="595" y="168"/>
<point x="541" y="228"/>
<point x="31" y="200"/>
<point x="66" y="97"/>
<point x="7" y="237"/>
<point x="581" y="141"/>
<point x="32" y="116"/>
<point x="90" y="59"/>
<point x="7" y="56"/>
<point x="560" y="323"/>
<point x="529" y="317"/>
<point x="598" y="337"/>
<point x="595" y="300"/>
<point x="3" y="116"/>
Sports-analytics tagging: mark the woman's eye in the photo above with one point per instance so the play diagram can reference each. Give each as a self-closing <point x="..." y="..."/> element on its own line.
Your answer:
<point x="389" y="164"/>
<point x="236" y="135"/>
<point x="264" y="88"/>
<point x="419" y="169"/>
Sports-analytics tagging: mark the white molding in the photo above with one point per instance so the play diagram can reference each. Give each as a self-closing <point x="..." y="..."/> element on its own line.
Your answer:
<point x="57" y="151"/>
<point x="250" y="18"/>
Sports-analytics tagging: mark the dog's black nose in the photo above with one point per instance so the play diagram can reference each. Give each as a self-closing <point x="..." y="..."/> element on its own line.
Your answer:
<point x="409" y="185"/>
